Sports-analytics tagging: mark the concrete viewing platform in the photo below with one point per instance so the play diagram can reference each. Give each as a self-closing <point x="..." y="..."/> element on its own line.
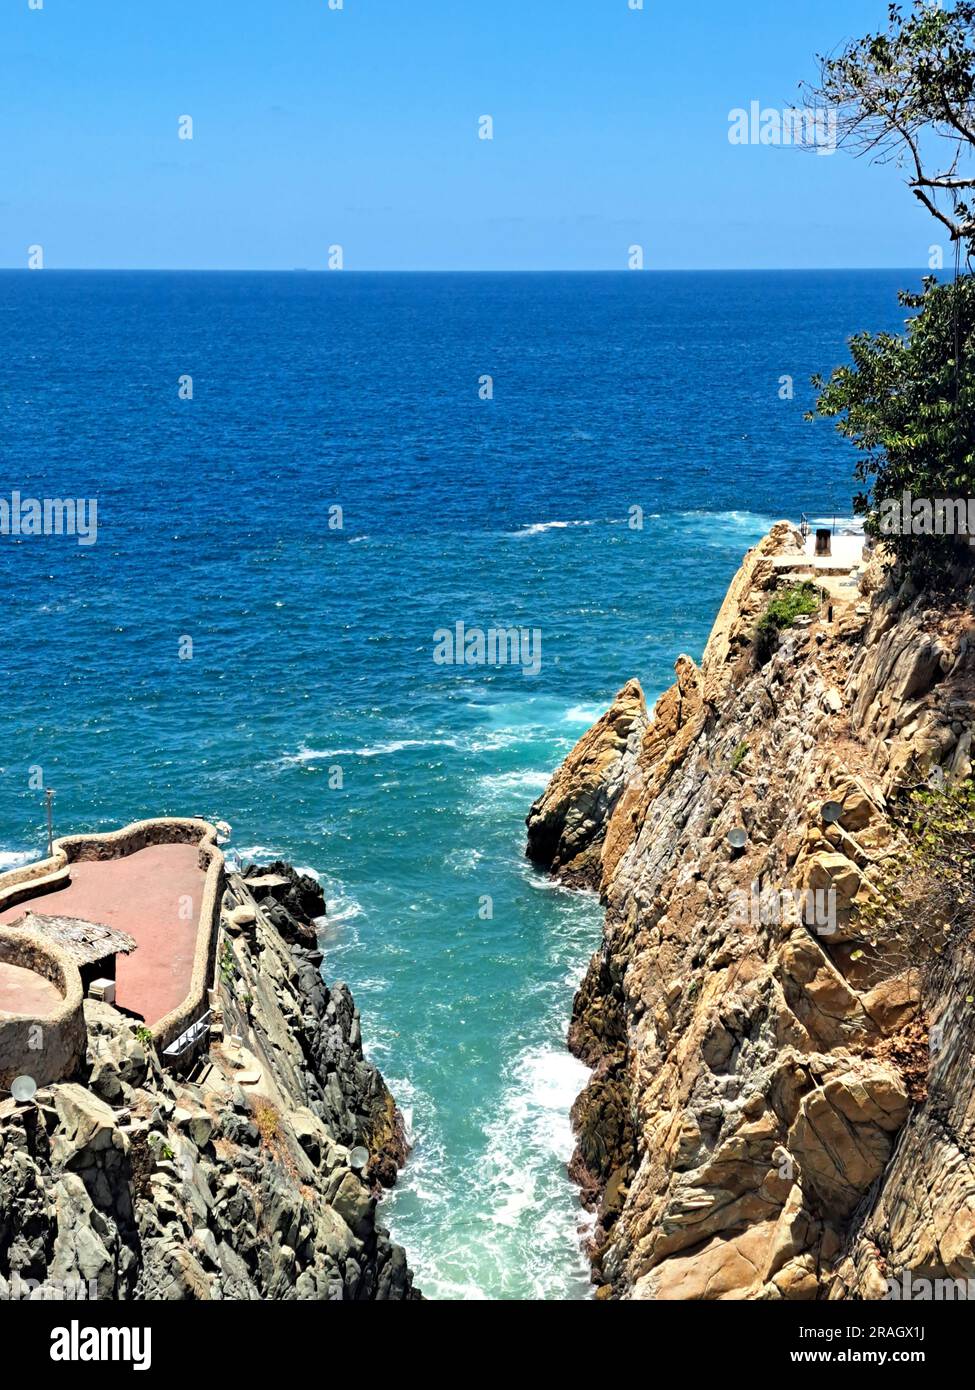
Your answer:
<point x="134" y="910"/>
<point x="154" y="895"/>
<point x="846" y="554"/>
<point x="836" y="574"/>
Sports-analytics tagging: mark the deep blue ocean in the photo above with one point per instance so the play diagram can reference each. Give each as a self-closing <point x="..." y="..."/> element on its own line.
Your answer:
<point x="312" y="647"/>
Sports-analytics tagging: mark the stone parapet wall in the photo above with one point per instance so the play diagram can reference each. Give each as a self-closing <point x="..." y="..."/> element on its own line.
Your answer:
<point x="195" y="1004"/>
<point x="47" y="1047"/>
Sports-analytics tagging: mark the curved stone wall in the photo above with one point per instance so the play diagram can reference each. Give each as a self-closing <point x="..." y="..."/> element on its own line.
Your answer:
<point x="47" y="1047"/>
<point x="195" y="1004"/>
<point x="46" y="875"/>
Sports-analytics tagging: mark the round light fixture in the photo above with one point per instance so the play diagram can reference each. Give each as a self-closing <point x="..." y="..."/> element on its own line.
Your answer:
<point x="832" y="812"/>
<point x="737" y="838"/>
<point x="358" y="1158"/>
<point x="23" y="1089"/>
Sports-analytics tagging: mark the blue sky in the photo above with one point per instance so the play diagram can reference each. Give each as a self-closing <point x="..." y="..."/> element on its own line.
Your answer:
<point x="358" y="127"/>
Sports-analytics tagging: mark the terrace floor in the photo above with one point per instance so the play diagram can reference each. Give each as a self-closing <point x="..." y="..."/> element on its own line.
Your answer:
<point x="23" y="991"/>
<point x="155" y="896"/>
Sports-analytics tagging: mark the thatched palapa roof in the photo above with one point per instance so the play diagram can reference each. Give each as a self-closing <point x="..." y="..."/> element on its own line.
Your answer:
<point x="85" y="942"/>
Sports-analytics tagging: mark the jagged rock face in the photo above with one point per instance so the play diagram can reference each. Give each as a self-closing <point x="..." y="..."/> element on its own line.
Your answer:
<point x="292" y="904"/>
<point x="307" y="1033"/>
<point x="746" y="1096"/>
<point x="128" y="1183"/>
<point x="567" y="823"/>
<point x="922" y="1223"/>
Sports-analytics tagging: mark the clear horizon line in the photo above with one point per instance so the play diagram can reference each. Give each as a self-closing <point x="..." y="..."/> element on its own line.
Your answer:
<point x="481" y="270"/>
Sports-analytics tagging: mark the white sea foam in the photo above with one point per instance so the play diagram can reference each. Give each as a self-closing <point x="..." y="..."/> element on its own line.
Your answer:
<point x="370" y="750"/>
<point x="544" y="883"/>
<point x="498" y="788"/>
<point x="498" y="739"/>
<point x="315" y="755"/>
<point x="529" y="780"/>
<point x="528" y="1143"/>
<point x="530" y="720"/>
<point x="536" y="528"/>
<point x="464" y="861"/>
<point x="341" y="907"/>
<point x="371" y="984"/>
<point x="396" y="745"/>
<point x="517" y="1231"/>
<point x="582" y="714"/>
<point x="740" y="520"/>
<point x="258" y="854"/>
<point x="14" y="858"/>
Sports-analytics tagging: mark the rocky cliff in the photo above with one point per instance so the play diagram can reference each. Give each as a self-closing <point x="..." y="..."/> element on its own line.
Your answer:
<point x="782" y="1102"/>
<point x="127" y="1182"/>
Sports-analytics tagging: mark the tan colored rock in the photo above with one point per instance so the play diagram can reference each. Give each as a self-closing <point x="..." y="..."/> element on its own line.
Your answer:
<point x="723" y="1269"/>
<point x="893" y="1002"/>
<point x="842" y="1135"/>
<point x="824" y="872"/>
<point x="747" y="1095"/>
<point x="743" y="605"/>
<point x="567" y="823"/>
<point x="828" y="1008"/>
<point x="676" y="721"/>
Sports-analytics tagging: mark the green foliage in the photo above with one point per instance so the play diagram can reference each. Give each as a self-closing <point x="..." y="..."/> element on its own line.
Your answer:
<point x="787" y="605"/>
<point x="908" y="404"/>
<point x="925" y="893"/>
<point x="906" y="95"/>
<point x="144" y="1035"/>
<point x="229" y="968"/>
<point x="740" y="754"/>
<point x="943" y="832"/>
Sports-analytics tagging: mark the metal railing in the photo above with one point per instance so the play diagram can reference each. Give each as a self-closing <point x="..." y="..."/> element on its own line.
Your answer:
<point x="186" y="1045"/>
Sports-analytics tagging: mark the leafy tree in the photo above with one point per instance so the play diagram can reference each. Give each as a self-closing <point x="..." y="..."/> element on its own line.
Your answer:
<point x="907" y="96"/>
<point x="908" y="404"/>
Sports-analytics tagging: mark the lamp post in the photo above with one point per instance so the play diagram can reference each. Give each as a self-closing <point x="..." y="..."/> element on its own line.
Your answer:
<point x="49" y="799"/>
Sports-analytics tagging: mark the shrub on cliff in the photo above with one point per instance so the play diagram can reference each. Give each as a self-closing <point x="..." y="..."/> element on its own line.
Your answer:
<point x="784" y="608"/>
<point x="924" y="889"/>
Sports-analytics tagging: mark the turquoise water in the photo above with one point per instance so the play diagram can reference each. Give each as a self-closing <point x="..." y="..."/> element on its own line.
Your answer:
<point x="313" y="648"/>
